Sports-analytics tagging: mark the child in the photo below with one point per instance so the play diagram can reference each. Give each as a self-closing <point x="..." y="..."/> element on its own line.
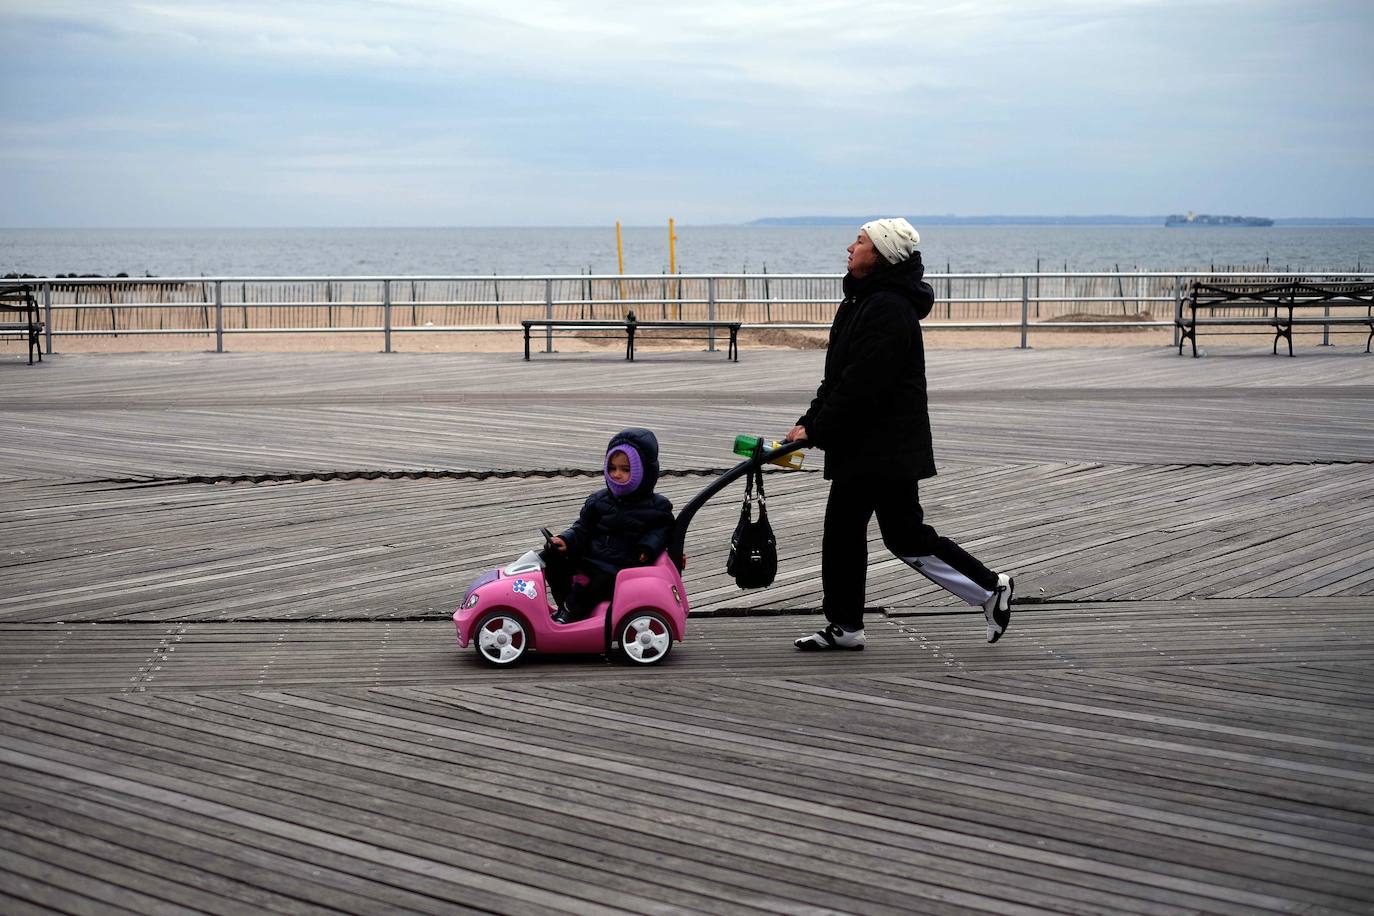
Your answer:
<point x="626" y="524"/>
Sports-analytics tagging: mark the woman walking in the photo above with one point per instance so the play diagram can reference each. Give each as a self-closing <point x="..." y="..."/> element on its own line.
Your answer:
<point x="870" y="417"/>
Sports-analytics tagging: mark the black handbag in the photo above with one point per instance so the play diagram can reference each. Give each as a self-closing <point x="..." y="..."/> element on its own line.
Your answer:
<point x="753" y="550"/>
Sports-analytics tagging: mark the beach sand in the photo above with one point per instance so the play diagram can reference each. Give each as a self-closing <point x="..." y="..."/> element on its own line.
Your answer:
<point x="513" y="342"/>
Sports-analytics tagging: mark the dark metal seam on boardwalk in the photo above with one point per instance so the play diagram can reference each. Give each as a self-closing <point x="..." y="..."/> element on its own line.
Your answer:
<point x="1093" y="718"/>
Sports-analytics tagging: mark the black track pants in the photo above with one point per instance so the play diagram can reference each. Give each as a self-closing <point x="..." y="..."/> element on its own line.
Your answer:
<point x="844" y="547"/>
<point x="577" y="586"/>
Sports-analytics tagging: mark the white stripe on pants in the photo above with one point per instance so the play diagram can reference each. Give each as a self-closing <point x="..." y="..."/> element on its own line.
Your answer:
<point x="948" y="578"/>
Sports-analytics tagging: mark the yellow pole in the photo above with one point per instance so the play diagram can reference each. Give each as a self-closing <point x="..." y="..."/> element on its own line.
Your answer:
<point x="672" y="263"/>
<point x="620" y="256"/>
<point x="672" y="248"/>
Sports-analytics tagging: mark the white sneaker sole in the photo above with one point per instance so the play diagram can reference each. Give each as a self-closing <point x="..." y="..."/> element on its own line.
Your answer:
<point x="823" y="642"/>
<point x="998" y="614"/>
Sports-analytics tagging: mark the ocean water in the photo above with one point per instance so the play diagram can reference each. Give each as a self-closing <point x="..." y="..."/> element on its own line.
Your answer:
<point x="700" y="249"/>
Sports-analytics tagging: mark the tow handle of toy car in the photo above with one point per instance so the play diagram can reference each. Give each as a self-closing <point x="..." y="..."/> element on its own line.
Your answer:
<point x="678" y="539"/>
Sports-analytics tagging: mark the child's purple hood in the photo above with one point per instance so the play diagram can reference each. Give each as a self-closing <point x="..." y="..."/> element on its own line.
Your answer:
<point x="641" y="447"/>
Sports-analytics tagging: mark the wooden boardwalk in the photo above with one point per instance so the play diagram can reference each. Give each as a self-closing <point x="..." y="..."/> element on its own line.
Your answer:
<point x="227" y="681"/>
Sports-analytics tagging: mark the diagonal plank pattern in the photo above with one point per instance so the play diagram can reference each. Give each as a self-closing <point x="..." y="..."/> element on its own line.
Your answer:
<point x="1144" y="784"/>
<point x="403" y="549"/>
<point x="170" y="415"/>
<point x="228" y="696"/>
<point x="139" y="658"/>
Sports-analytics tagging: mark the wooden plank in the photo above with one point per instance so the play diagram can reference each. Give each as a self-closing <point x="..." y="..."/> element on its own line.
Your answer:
<point x="152" y="853"/>
<point x="465" y="885"/>
<point x="276" y="551"/>
<point x="256" y="683"/>
<point x="301" y="711"/>
<point x="47" y="884"/>
<point x="255" y="863"/>
<point x="574" y="869"/>
<point x="138" y="658"/>
<point x="356" y="412"/>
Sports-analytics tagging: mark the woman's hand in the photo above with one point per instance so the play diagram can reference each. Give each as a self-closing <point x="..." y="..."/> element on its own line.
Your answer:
<point x="559" y="544"/>
<point x="795" y="434"/>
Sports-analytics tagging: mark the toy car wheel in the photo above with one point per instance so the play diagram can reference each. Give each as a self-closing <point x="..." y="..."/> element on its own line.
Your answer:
<point x="645" y="637"/>
<point x="501" y="638"/>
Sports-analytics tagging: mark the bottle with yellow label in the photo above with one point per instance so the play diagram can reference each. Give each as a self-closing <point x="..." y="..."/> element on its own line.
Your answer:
<point x="745" y="445"/>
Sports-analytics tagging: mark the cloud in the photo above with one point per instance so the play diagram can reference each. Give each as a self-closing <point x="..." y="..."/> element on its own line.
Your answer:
<point x="820" y="46"/>
<point x="604" y="106"/>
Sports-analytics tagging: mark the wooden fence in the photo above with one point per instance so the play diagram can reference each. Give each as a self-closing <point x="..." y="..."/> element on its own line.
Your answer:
<point x="151" y="305"/>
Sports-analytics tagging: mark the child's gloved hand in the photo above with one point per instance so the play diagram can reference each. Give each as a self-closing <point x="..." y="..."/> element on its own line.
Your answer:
<point x="559" y="544"/>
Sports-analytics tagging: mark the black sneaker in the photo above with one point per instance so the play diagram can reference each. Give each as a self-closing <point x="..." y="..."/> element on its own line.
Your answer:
<point x="997" y="609"/>
<point x="833" y="636"/>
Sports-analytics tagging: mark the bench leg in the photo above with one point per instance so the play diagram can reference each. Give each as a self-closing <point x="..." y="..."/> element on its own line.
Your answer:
<point x="34" y="341"/>
<point x="734" y="345"/>
<point x="527" y="343"/>
<point x="1281" y="331"/>
<point x="1189" y="334"/>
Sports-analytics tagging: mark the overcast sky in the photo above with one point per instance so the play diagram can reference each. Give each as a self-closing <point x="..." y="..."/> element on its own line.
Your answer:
<point x="582" y="112"/>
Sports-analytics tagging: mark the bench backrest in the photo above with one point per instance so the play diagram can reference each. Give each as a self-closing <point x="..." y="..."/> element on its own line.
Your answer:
<point x="1290" y="292"/>
<point x="18" y="299"/>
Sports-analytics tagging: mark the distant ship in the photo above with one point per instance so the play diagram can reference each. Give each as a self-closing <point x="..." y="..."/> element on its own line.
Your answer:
<point x="1203" y="219"/>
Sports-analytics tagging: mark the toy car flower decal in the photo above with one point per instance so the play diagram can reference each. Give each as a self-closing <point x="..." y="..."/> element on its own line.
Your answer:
<point x="526" y="588"/>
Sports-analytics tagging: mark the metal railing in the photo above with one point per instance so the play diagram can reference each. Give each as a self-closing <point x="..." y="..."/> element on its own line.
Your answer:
<point x="222" y="307"/>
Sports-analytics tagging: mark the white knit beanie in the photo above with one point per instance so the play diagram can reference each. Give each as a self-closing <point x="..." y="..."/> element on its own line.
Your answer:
<point x="894" y="238"/>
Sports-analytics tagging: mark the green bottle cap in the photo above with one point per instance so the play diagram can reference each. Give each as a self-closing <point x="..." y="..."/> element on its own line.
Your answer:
<point x="745" y="445"/>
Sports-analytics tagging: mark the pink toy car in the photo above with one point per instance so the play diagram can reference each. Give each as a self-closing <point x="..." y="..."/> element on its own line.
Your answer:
<point x="507" y="612"/>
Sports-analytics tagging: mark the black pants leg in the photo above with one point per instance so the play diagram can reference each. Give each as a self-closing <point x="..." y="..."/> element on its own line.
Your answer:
<point x="558" y="573"/>
<point x="844" y="547"/>
<point x="584" y="597"/>
<point x="577" y="597"/>
<point x="844" y="553"/>
<point x="918" y="545"/>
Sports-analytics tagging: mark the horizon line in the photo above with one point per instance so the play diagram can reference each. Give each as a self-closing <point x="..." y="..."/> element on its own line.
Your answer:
<point x="774" y="222"/>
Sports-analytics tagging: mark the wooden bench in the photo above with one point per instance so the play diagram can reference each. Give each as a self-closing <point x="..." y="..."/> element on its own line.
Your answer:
<point x="631" y="326"/>
<point x="1283" y="300"/>
<point x="19" y="301"/>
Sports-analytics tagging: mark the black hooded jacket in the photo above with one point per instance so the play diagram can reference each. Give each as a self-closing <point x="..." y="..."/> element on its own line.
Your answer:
<point x="869" y="415"/>
<point x="612" y="531"/>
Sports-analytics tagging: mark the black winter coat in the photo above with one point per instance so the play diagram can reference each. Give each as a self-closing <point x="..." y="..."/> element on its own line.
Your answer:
<point x="870" y="414"/>
<point x="612" y="531"/>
